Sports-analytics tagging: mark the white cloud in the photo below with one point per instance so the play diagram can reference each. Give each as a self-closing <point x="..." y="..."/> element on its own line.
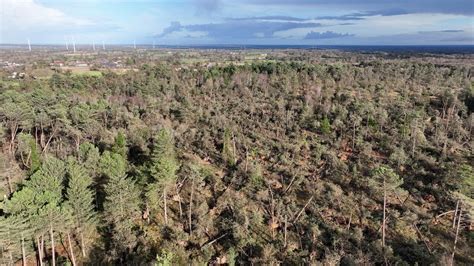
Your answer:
<point x="20" y="16"/>
<point x="26" y="14"/>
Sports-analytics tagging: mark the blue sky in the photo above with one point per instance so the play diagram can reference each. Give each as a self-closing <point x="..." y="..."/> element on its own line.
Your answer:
<point x="183" y="22"/>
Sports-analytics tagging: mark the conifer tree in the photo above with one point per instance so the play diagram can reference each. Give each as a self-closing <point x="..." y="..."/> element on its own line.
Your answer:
<point x="89" y="157"/>
<point x="120" y="145"/>
<point x="121" y="209"/>
<point x="80" y="199"/>
<point x="163" y="168"/>
<point x="39" y="201"/>
<point x="387" y="181"/>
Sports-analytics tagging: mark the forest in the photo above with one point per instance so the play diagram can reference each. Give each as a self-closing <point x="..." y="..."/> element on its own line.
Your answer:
<point x="292" y="162"/>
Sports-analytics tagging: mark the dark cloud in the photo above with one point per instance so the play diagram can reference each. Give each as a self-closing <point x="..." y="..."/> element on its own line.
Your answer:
<point x="465" y="39"/>
<point x="173" y="27"/>
<point x="440" y="31"/>
<point x="464" y="7"/>
<point x="207" y="6"/>
<point x="313" y="35"/>
<point x="274" y="18"/>
<point x="350" y="16"/>
<point x="239" y="29"/>
<point x="452" y="31"/>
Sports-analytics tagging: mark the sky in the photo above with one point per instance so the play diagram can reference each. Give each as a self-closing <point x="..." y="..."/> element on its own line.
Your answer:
<point x="238" y="22"/>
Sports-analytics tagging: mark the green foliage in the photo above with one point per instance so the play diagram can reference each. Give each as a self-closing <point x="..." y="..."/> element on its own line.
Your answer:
<point x="232" y="257"/>
<point x="325" y="126"/>
<point x="165" y="259"/>
<point x="162" y="169"/>
<point x="120" y="145"/>
<point x="89" y="157"/>
<point x="80" y="197"/>
<point x="112" y="164"/>
<point x="228" y="150"/>
<point x="256" y="175"/>
<point x="385" y="178"/>
<point x="466" y="176"/>
<point x="164" y="164"/>
<point x="28" y="152"/>
<point x="332" y="131"/>
<point x="121" y="209"/>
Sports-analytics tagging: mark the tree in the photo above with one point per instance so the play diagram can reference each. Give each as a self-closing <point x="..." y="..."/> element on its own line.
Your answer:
<point x="120" y="145"/>
<point x="390" y="183"/>
<point x="121" y="209"/>
<point x="228" y="148"/>
<point x="39" y="201"/>
<point x="89" y="157"/>
<point x="15" y="112"/>
<point x="325" y="126"/>
<point x="80" y="199"/>
<point x="163" y="168"/>
<point x="14" y="231"/>
<point x="112" y="164"/>
<point x="28" y="152"/>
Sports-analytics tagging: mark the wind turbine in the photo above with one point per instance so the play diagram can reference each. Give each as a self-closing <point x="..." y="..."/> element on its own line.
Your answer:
<point x="67" y="44"/>
<point x="74" y="44"/>
<point x="29" y="45"/>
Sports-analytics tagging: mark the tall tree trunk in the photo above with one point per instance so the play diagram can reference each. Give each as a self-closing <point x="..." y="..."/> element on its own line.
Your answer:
<point x="23" y="256"/>
<point x="456" y="237"/>
<point x="179" y="203"/>
<point x="166" y="207"/>
<point x="384" y="211"/>
<point x="13" y="132"/>
<point x="191" y="208"/>
<point x="51" y="235"/>
<point x="83" y="248"/>
<point x="49" y="141"/>
<point x="42" y="246"/>
<point x="286" y="225"/>
<point x="40" y="251"/>
<point x="455" y="214"/>
<point x="73" y="259"/>
<point x="9" y="183"/>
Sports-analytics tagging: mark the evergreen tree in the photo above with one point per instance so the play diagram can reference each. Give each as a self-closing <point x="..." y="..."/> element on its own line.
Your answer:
<point x="112" y="164"/>
<point x="39" y="201"/>
<point x="163" y="168"/>
<point x="120" y="145"/>
<point x="89" y="157"/>
<point x="80" y="199"/>
<point x="386" y="180"/>
<point x="121" y="209"/>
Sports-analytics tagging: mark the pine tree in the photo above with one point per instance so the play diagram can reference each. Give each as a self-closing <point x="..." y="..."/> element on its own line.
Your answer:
<point x="163" y="168"/>
<point x="120" y="145"/>
<point x="390" y="182"/>
<point x="121" y="208"/>
<point x="89" y="157"/>
<point x="112" y="164"/>
<point x="39" y="201"/>
<point x="80" y="199"/>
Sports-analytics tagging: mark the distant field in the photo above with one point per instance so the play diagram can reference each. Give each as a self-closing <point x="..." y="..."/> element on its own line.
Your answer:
<point x="92" y="73"/>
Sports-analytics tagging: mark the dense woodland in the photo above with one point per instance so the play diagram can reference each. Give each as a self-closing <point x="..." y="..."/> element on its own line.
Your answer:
<point x="272" y="162"/>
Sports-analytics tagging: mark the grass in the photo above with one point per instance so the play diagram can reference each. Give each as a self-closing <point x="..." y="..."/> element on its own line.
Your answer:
<point x="8" y="83"/>
<point x="90" y="73"/>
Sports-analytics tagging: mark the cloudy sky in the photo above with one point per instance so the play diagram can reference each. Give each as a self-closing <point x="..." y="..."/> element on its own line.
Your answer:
<point x="182" y="22"/>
